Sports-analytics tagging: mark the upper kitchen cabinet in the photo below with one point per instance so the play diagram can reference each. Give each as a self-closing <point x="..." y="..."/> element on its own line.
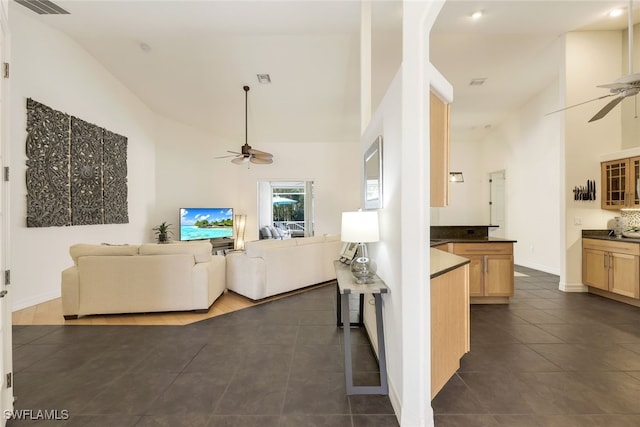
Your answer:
<point x="439" y="125"/>
<point x="620" y="183"/>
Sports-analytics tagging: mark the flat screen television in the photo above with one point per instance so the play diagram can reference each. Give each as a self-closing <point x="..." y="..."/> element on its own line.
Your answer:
<point x="206" y="223"/>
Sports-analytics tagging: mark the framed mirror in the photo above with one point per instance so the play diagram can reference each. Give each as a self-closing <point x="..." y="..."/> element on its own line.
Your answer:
<point x="373" y="175"/>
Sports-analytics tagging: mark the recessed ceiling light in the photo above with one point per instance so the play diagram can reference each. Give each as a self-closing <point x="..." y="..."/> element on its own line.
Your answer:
<point x="264" y="78"/>
<point x="615" y="13"/>
<point x="476" y="15"/>
<point x="477" y="81"/>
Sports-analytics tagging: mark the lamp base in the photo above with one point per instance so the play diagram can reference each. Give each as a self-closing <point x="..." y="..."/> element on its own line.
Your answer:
<point x="363" y="268"/>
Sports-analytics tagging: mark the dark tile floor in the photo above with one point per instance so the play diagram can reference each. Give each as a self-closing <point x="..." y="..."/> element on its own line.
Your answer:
<point x="548" y="359"/>
<point x="276" y="364"/>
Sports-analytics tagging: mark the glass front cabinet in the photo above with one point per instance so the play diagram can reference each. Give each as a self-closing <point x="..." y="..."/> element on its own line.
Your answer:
<point x="620" y="183"/>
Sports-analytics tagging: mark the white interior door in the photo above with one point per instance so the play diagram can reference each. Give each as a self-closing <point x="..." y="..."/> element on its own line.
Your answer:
<point x="497" y="203"/>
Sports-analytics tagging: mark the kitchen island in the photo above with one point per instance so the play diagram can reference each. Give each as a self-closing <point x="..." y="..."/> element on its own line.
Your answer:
<point x="491" y="260"/>
<point x="449" y="290"/>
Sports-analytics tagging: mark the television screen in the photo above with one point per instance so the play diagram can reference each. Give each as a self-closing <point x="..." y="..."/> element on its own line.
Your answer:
<point x="205" y="223"/>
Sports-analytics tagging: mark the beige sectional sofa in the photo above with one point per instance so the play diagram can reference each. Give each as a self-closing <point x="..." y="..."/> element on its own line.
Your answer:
<point x="271" y="267"/>
<point x="143" y="278"/>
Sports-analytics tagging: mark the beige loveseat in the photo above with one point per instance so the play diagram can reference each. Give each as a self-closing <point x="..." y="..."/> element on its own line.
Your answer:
<point x="271" y="267"/>
<point x="143" y="278"/>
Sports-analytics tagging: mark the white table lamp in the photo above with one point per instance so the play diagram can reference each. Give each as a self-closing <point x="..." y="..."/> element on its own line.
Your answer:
<point x="361" y="227"/>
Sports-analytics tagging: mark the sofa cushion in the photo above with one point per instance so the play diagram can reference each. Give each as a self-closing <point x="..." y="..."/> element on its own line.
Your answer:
<point x="276" y="232"/>
<point x="257" y="249"/>
<point x="86" y="249"/>
<point x="309" y="240"/>
<point x="265" y="233"/>
<point x="201" y="251"/>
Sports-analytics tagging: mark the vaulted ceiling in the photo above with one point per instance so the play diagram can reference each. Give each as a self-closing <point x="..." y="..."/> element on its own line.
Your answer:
<point x="189" y="59"/>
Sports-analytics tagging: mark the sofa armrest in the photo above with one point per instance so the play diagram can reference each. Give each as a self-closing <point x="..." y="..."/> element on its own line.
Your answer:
<point x="70" y="289"/>
<point x="246" y="276"/>
<point x="217" y="277"/>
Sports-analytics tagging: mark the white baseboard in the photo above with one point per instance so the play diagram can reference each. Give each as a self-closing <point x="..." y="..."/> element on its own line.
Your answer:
<point x="572" y="287"/>
<point x="34" y="300"/>
<point x="395" y="399"/>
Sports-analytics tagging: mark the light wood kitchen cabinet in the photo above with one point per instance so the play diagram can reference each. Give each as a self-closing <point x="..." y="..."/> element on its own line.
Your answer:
<point x="490" y="271"/>
<point x="619" y="183"/>
<point x="450" y="336"/>
<point x="439" y="145"/>
<point x="611" y="266"/>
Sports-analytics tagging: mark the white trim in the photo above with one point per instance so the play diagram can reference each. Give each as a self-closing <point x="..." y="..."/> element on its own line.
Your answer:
<point x="395" y="400"/>
<point x="572" y="287"/>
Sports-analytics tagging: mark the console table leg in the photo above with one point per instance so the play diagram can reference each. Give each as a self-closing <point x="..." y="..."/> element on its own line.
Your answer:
<point x="348" y="368"/>
<point x="382" y="356"/>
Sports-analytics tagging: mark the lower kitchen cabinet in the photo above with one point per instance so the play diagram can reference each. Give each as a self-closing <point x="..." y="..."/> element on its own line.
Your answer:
<point x="611" y="267"/>
<point x="490" y="271"/>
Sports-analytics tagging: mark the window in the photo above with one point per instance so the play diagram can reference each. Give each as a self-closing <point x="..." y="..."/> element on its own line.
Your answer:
<point x="288" y="206"/>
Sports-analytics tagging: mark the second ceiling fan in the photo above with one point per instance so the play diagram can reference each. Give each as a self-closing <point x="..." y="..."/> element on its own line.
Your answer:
<point x="248" y="154"/>
<point x="621" y="88"/>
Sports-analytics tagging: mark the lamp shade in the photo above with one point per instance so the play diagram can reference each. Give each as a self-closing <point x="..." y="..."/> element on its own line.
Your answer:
<point x="360" y="227"/>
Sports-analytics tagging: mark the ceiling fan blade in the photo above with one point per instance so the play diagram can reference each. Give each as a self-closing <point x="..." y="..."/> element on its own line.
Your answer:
<point x="605" y="110"/>
<point x="585" y="102"/>
<point x="240" y="160"/>
<point x="261" y="161"/>
<point x="259" y="153"/>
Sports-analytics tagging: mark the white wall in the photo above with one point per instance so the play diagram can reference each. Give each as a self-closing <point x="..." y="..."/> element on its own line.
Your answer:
<point x="189" y="175"/>
<point x="468" y="204"/>
<point x="586" y="142"/>
<point x="403" y="252"/>
<point x="170" y="165"/>
<point x="52" y="69"/>
<point x="528" y="146"/>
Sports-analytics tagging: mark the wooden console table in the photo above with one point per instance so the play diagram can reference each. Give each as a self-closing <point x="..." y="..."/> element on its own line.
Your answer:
<point x="347" y="285"/>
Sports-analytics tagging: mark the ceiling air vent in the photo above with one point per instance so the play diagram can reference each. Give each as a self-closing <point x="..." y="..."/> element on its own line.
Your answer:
<point x="43" y="7"/>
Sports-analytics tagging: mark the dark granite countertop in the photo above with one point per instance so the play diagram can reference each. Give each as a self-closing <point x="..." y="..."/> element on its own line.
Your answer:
<point x="604" y="235"/>
<point x="442" y="241"/>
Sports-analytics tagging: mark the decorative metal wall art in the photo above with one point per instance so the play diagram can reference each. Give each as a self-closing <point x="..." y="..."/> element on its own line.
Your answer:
<point x="76" y="171"/>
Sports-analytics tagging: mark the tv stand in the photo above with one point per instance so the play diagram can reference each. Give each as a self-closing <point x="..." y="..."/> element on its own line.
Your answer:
<point x="221" y="244"/>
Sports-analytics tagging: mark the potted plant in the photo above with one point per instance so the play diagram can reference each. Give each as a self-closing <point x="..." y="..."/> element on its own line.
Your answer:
<point x="163" y="231"/>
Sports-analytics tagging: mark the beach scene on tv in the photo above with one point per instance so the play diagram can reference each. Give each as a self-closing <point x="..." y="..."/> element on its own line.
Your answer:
<point x="205" y="223"/>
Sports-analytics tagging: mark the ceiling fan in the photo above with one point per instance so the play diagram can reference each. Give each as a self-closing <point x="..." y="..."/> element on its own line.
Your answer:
<point x="621" y="88"/>
<point x="248" y="154"/>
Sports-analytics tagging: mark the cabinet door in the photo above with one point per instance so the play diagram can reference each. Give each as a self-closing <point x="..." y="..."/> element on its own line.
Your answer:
<point x="595" y="268"/>
<point x="439" y="144"/>
<point x="633" y="183"/>
<point x="476" y="275"/>
<point x="624" y="277"/>
<point x="498" y="277"/>
<point x="614" y="183"/>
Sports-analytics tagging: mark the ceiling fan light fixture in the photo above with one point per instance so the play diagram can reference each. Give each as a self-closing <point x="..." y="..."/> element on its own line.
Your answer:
<point x="247" y="154"/>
